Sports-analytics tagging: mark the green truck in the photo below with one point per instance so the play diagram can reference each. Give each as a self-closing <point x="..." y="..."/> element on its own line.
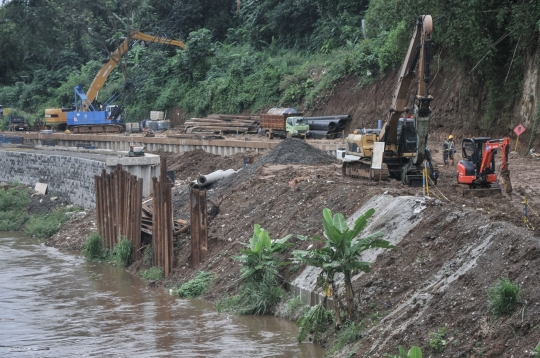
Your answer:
<point x="284" y="122"/>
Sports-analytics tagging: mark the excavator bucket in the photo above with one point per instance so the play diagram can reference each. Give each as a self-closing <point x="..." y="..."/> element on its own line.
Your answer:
<point x="505" y="177"/>
<point x="483" y="191"/>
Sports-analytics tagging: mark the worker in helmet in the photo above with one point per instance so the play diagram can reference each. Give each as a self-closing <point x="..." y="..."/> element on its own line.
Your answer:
<point x="448" y="151"/>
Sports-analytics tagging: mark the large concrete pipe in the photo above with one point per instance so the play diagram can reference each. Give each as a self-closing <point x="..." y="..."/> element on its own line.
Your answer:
<point x="208" y="179"/>
<point x="334" y="118"/>
<point x="323" y="125"/>
<point x="318" y="134"/>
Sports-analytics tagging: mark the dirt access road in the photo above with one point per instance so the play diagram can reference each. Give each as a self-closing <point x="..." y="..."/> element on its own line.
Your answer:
<point x="286" y="191"/>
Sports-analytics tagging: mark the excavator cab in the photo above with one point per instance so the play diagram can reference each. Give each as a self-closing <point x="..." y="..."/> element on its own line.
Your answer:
<point x="472" y="151"/>
<point x="477" y="168"/>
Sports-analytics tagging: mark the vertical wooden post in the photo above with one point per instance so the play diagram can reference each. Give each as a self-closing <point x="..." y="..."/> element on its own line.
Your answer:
<point x="194" y="228"/>
<point x="203" y="228"/>
<point x="199" y="227"/>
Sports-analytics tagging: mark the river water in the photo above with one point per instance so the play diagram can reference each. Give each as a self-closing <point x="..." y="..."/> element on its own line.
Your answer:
<point x="58" y="305"/>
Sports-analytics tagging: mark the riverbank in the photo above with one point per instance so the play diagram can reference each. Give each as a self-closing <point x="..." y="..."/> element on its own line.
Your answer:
<point x="435" y="278"/>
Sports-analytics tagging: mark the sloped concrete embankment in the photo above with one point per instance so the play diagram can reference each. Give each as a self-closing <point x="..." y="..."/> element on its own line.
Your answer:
<point x="395" y="216"/>
<point x="445" y="259"/>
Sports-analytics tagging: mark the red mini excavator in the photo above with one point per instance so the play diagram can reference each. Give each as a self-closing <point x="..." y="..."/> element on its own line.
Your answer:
<point x="477" y="169"/>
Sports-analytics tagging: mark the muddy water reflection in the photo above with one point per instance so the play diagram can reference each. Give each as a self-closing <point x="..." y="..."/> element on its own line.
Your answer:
<point x="56" y="305"/>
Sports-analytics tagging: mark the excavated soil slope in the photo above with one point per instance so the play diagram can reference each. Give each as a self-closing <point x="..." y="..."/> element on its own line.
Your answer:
<point x="436" y="276"/>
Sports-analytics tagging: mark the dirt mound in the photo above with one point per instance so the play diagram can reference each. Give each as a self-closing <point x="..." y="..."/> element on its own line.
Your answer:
<point x="189" y="166"/>
<point x="44" y="204"/>
<point x="290" y="151"/>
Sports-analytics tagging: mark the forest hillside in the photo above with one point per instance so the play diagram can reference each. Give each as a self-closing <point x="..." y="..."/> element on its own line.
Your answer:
<point x="319" y="56"/>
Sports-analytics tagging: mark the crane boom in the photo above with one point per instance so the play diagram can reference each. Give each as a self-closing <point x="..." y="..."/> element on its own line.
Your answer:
<point x="107" y="68"/>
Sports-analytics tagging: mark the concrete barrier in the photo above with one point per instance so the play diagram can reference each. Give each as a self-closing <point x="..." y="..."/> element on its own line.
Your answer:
<point x="223" y="147"/>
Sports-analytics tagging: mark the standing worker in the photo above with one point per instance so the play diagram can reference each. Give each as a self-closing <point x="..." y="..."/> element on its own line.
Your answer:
<point x="448" y="151"/>
<point x="1" y="112"/>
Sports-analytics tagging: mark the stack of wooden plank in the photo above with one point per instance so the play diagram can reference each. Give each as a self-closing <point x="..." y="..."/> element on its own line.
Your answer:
<point x="222" y="124"/>
<point x="180" y="226"/>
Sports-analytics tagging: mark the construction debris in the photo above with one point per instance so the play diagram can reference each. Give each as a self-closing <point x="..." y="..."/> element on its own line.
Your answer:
<point x="222" y="124"/>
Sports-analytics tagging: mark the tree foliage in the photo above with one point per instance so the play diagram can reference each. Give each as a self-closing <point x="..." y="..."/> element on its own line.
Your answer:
<point x="264" y="53"/>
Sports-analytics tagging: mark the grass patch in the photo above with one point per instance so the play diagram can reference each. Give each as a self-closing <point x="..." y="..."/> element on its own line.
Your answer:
<point x="121" y="253"/>
<point x="349" y="333"/>
<point x="255" y="297"/>
<point x="13" y="204"/>
<point x="154" y="273"/>
<point x="195" y="287"/>
<point x="148" y="256"/>
<point x="46" y="225"/>
<point x="437" y="340"/>
<point x="503" y="297"/>
<point x="294" y="304"/>
<point x="93" y="247"/>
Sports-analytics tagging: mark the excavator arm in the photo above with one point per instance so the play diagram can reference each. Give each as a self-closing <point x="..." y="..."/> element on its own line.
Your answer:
<point x="418" y="50"/>
<point x="490" y="149"/>
<point x="105" y="71"/>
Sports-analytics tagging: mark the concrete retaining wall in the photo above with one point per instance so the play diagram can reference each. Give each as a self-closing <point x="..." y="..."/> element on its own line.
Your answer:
<point x="71" y="177"/>
<point x="222" y="147"/>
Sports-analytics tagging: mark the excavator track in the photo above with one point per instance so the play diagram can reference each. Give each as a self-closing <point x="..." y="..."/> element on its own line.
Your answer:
<point x="362" y="169"/>
<point x="482" y="191"/>
<point x="109" y="128"/>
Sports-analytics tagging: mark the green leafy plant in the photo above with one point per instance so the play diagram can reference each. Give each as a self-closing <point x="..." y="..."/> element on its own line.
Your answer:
<point x="261" y="286"/>
<point x="437" y="340"/>
<point x="93" y="247"/>
<point x="341" y="255"/>
<point x="13" y="204"/>
<point x="536" y="352"/>
<point x="503" y="297"/>
<point x="154" y="273"/>
<point x="414" y="352"/>
<point x="121" y="253"/>
<point x="195" y="287"/>
<point x="314" y="321"/>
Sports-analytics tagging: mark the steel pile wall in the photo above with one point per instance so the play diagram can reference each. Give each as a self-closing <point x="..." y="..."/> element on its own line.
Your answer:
<point x="162" y="221"/>
<point x="119" y="208"/>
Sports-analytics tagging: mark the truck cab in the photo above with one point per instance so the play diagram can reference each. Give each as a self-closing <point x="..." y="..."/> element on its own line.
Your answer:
<point x="17" y="123"/>
<point x="297" y="127"/>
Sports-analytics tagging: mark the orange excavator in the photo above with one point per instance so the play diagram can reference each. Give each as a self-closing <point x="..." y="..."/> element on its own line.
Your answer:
<point x="477" y="168"/>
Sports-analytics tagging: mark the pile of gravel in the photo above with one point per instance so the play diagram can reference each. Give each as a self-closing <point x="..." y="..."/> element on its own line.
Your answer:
<point x="290" y="151"/>
<point x="295" y="151"/>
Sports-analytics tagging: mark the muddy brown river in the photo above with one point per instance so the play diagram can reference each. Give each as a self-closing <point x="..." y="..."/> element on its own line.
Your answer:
<point x="58" y="305"/>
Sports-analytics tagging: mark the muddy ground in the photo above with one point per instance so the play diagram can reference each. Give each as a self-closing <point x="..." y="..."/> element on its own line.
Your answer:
<point x="286" y="192"/>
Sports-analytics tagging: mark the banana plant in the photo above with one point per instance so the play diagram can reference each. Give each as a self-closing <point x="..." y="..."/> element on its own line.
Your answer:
<point x="259" y="254"/>
<point x="341" y="254"/>
<point x="414" y="352"/>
